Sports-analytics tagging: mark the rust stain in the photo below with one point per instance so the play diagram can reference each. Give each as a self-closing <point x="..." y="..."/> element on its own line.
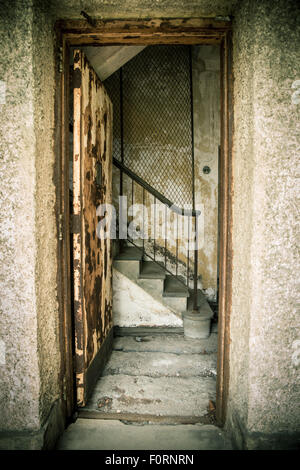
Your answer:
<point x="92" y="256"/>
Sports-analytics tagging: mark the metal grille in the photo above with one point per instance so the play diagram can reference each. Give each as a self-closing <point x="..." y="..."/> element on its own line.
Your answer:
<point x="112" y="85"/>
<point x="154" y="98"/>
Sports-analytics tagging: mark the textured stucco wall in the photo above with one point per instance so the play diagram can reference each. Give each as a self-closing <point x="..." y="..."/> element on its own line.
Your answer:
<point x="142" y="8"/>
<point x="29" y="311"/>
<point x="19" y="376"/>
<point x="45" y="223"/>
<point x="264" y="380"/>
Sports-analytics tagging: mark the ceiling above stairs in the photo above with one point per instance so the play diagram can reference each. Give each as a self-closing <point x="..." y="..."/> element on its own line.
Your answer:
<point x="108" y="59"/>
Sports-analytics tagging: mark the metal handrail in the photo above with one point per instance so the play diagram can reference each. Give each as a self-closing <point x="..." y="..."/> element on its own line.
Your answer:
<point x="185" y="212"/>
<point x="154" y="192"/>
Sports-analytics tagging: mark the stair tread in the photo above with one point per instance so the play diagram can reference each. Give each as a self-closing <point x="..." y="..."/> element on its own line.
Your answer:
<point x="160" y="364"/>
<point x="151" y="270"/>
<point x="121" y="393"/>
<point x="174" y="288"/>
<point x="164" y="343"/>
<point x="129" y="253"/>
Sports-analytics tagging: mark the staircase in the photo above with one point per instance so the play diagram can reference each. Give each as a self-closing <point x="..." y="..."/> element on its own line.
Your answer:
<point x="156" y="282"/>
<point x="173" y="287"/>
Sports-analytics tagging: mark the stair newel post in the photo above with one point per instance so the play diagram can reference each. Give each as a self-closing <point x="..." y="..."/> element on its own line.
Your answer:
<point x="195" y="293"/>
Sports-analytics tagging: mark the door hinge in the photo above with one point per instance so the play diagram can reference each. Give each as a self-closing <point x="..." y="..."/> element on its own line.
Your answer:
<point x="60" y="227"/>
<point x="74" y="223"/>
<point x="60" y="59"/>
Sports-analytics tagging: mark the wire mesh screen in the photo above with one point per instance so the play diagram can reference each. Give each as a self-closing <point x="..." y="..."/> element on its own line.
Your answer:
<point x="112" y="85"/>
<point x="157" y="126"/>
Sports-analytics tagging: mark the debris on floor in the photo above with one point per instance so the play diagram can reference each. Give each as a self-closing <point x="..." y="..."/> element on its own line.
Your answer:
<point x="149" y="384"/>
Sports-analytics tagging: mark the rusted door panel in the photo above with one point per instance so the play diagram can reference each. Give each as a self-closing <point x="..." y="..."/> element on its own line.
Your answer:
<point x="92" y="185"/>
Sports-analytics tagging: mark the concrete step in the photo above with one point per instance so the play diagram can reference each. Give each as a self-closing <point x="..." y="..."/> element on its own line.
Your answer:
<point x="157" y="364"/>
<point x="177" y="304"/>
<point x="96" y="434"/>
<point x="163" y="396"/>
<point x="176" y="344"/>
<point x="153" y="279"/>
<point x="129" y="253"/>
<point x="151" y="270"/>
<point x="142" y="330"/>
<point x="130" y="268"/>
<point x="128" y="262"/>
<point x="174" y="288"/>
<point x="153" y="286"/>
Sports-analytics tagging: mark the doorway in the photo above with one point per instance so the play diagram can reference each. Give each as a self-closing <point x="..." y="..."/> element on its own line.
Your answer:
<point x="224" y="172"/>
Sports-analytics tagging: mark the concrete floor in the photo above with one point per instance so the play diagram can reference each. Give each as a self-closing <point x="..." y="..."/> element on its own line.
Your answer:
<point x="154" y="384"/>
<point x="94" y="434"/>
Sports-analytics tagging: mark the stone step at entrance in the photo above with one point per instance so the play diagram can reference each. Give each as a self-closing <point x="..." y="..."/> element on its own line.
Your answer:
<point x="164" y="379"/>
<point x="176" y="344"/>
<point x="159" y="364"/>
<point x="141" y="403"/>
<point x="94" y="434"/>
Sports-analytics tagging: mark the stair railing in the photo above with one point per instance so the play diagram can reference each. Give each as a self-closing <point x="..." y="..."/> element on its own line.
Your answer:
<point x="169" y="205"/>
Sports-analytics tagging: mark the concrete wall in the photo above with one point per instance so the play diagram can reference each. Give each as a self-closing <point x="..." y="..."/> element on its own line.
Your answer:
<point x="20" y="381"/>
<point x="206" y="97"/>
<point x="264" y="380"/>
<point x="45" y="221"/>
<point x="29" y="311"/>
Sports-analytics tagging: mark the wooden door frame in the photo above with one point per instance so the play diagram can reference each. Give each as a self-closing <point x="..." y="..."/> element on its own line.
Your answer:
<point x="191" y="31"/>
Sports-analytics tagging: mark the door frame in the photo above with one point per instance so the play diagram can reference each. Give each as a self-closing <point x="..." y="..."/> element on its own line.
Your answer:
<point x="185" y="31"/>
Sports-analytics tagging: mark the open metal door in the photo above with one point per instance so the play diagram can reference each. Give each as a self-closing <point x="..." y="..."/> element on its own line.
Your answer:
<point x="92" y="256"/>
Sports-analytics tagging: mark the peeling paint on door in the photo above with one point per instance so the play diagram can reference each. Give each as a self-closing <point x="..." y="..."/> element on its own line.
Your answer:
<point x="92" y="185"/>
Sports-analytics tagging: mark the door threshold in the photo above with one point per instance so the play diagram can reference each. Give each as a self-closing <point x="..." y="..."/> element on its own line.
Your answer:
<point x="147" y="330"/>
<point x="208" y="418"/>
